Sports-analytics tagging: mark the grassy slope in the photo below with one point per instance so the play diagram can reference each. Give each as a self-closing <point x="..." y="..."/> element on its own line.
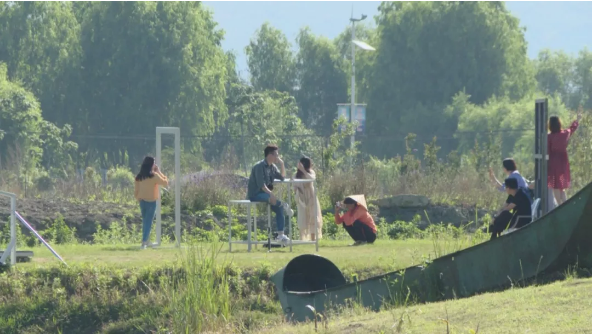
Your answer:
<point x="561" y="307"/>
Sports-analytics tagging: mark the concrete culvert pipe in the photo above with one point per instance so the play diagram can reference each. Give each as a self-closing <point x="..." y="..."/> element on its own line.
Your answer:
<point x="304" y="275"/>
<point x="307" y="273"/>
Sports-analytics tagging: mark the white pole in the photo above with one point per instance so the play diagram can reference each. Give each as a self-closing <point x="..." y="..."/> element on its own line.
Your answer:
<point x="11" y="248"/>
<point x="545" y="157"/>
<point x="177" y="186"/>
<point x="316" y="220"/>
<point x="353" y="91"/>
<point x="289" y="217"/>
<point x="13" y="230"/>
<point x="158" y="202"/>
<point x="230" y="228"/>
<point x="249" y="227"/>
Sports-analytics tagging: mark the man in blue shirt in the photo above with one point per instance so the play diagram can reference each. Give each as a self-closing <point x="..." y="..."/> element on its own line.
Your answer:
<point x="260" y="187"/>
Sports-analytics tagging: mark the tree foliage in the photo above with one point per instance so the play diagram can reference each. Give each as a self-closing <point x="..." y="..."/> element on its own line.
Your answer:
<point x="108" y="73"/>
<point x="502" y="117"/>
<point x="26" y="139"/>
<point x="20" y="118"/>
<point x="429" y="51"/>
<point x="363" y="59"/>
<point x="41" y="48"/>
<point x="149" y="64"/>
<point x="323" y="81"/>
<point x="258" y="118"/>
<point x="559" y="73"/>
<point x="270" y="60"/>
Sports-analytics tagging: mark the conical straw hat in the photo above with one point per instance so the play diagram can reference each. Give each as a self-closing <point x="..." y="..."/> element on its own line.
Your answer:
<point x="360" y="200"/>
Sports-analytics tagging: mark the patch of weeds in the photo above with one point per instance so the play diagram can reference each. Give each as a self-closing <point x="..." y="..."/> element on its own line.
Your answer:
<point x="117" y="233"/>
<point x="59" y="233"/>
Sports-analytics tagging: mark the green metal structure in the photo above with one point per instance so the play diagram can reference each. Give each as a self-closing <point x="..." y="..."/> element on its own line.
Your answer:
<point x="559" y="239"/>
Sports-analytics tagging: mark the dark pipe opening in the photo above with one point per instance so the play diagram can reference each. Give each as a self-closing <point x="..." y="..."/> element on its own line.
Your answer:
<point x="311" y="273"/>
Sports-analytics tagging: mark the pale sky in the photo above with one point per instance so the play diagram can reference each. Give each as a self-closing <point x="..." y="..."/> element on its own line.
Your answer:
<point x="568" y="30"/>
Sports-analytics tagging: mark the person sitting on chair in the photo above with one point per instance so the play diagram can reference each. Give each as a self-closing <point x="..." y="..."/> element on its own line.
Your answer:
<point x="260" y="186"/>
<point x="357" y="221"/>
<point x="519" y="203"/>
<point x="510" y="169"/>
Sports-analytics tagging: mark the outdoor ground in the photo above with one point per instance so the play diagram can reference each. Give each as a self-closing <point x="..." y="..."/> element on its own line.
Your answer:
<point x="383" y="255"/>
<point x="561" y="307"/>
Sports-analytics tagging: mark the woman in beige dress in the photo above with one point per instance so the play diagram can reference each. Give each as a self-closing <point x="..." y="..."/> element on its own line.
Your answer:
<point x="309" y="209"/>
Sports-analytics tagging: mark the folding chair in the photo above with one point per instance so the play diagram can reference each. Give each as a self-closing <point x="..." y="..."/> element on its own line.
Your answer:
<point x="534" y="207"/>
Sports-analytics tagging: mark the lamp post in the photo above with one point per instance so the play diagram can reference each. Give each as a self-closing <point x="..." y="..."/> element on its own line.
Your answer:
<point x="365" y="47"/>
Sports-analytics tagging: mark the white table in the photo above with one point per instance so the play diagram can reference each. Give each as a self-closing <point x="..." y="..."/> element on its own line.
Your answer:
<point x="249" y="204"/>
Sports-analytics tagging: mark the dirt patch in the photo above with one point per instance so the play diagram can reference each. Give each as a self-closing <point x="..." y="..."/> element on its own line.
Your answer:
<point x="84" y="217"/>
<point x="456" y="215"/>
<point x="41" y="213"/>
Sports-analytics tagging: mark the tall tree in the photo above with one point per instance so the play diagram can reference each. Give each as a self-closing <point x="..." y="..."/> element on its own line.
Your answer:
<point x="20" y="120"/>
<point x="322" y="80"/>
<point x="582" y="81"/>
<point x="41" y="47"/>
<point x="501" y="113"/>
<point x="270" y="60"/>
<point x="553" y="71"/>
<point x="429" y="51"/>
<point x="569" y="77"/>
<point x="26" y="139"/>
<point x="149" y="64"/>
<point x="255" y="119"/>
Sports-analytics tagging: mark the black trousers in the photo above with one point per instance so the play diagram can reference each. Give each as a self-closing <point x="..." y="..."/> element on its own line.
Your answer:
<point x="500" y="223"/>
<point x="506" y="218"/>
<point x="360" y="232"/>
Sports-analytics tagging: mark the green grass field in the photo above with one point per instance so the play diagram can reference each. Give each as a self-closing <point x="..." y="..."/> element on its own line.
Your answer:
<point x="561" y="307"/>
<point x="383" y="255"/>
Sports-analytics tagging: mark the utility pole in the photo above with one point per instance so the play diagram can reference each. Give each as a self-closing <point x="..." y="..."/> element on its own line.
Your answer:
<point x="365" y="47"/>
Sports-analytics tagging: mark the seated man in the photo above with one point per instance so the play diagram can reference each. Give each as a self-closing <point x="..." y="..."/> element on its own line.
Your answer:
<point x="519" y="203"/>
<point x="260" y="186"/>
<point x="357" y="221"/>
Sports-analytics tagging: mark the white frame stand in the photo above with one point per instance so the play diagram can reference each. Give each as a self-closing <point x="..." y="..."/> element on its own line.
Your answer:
<point x="172" y="131"/>
<point x="11" y="248"/>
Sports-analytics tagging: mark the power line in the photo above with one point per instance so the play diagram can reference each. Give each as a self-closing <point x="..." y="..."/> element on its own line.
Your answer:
<point x="216" y="136"/>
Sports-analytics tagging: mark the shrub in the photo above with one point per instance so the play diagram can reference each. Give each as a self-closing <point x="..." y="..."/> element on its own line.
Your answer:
<point x="44" y="182"/>
<point x="92" y="178"/>
<point x="59" y="232"/>
<point x="120" y="178"/>
<point x="118" y="233"/>
<point x="404" y="230"/>
<point x="220" y="211"/>
<point x="209" y="193"/>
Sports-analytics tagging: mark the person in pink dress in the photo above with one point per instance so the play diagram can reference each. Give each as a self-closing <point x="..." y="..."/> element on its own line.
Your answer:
<point x="558" y="166"/>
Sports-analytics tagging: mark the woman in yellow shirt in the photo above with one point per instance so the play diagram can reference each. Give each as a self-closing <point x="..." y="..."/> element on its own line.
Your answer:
<point x="146" y="191"/>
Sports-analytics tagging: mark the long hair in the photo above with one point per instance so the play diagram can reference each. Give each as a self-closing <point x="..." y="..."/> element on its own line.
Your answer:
<point x="146" y="169"/>
<point x="306" y="164"/>
<point x="554" y="124"/>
